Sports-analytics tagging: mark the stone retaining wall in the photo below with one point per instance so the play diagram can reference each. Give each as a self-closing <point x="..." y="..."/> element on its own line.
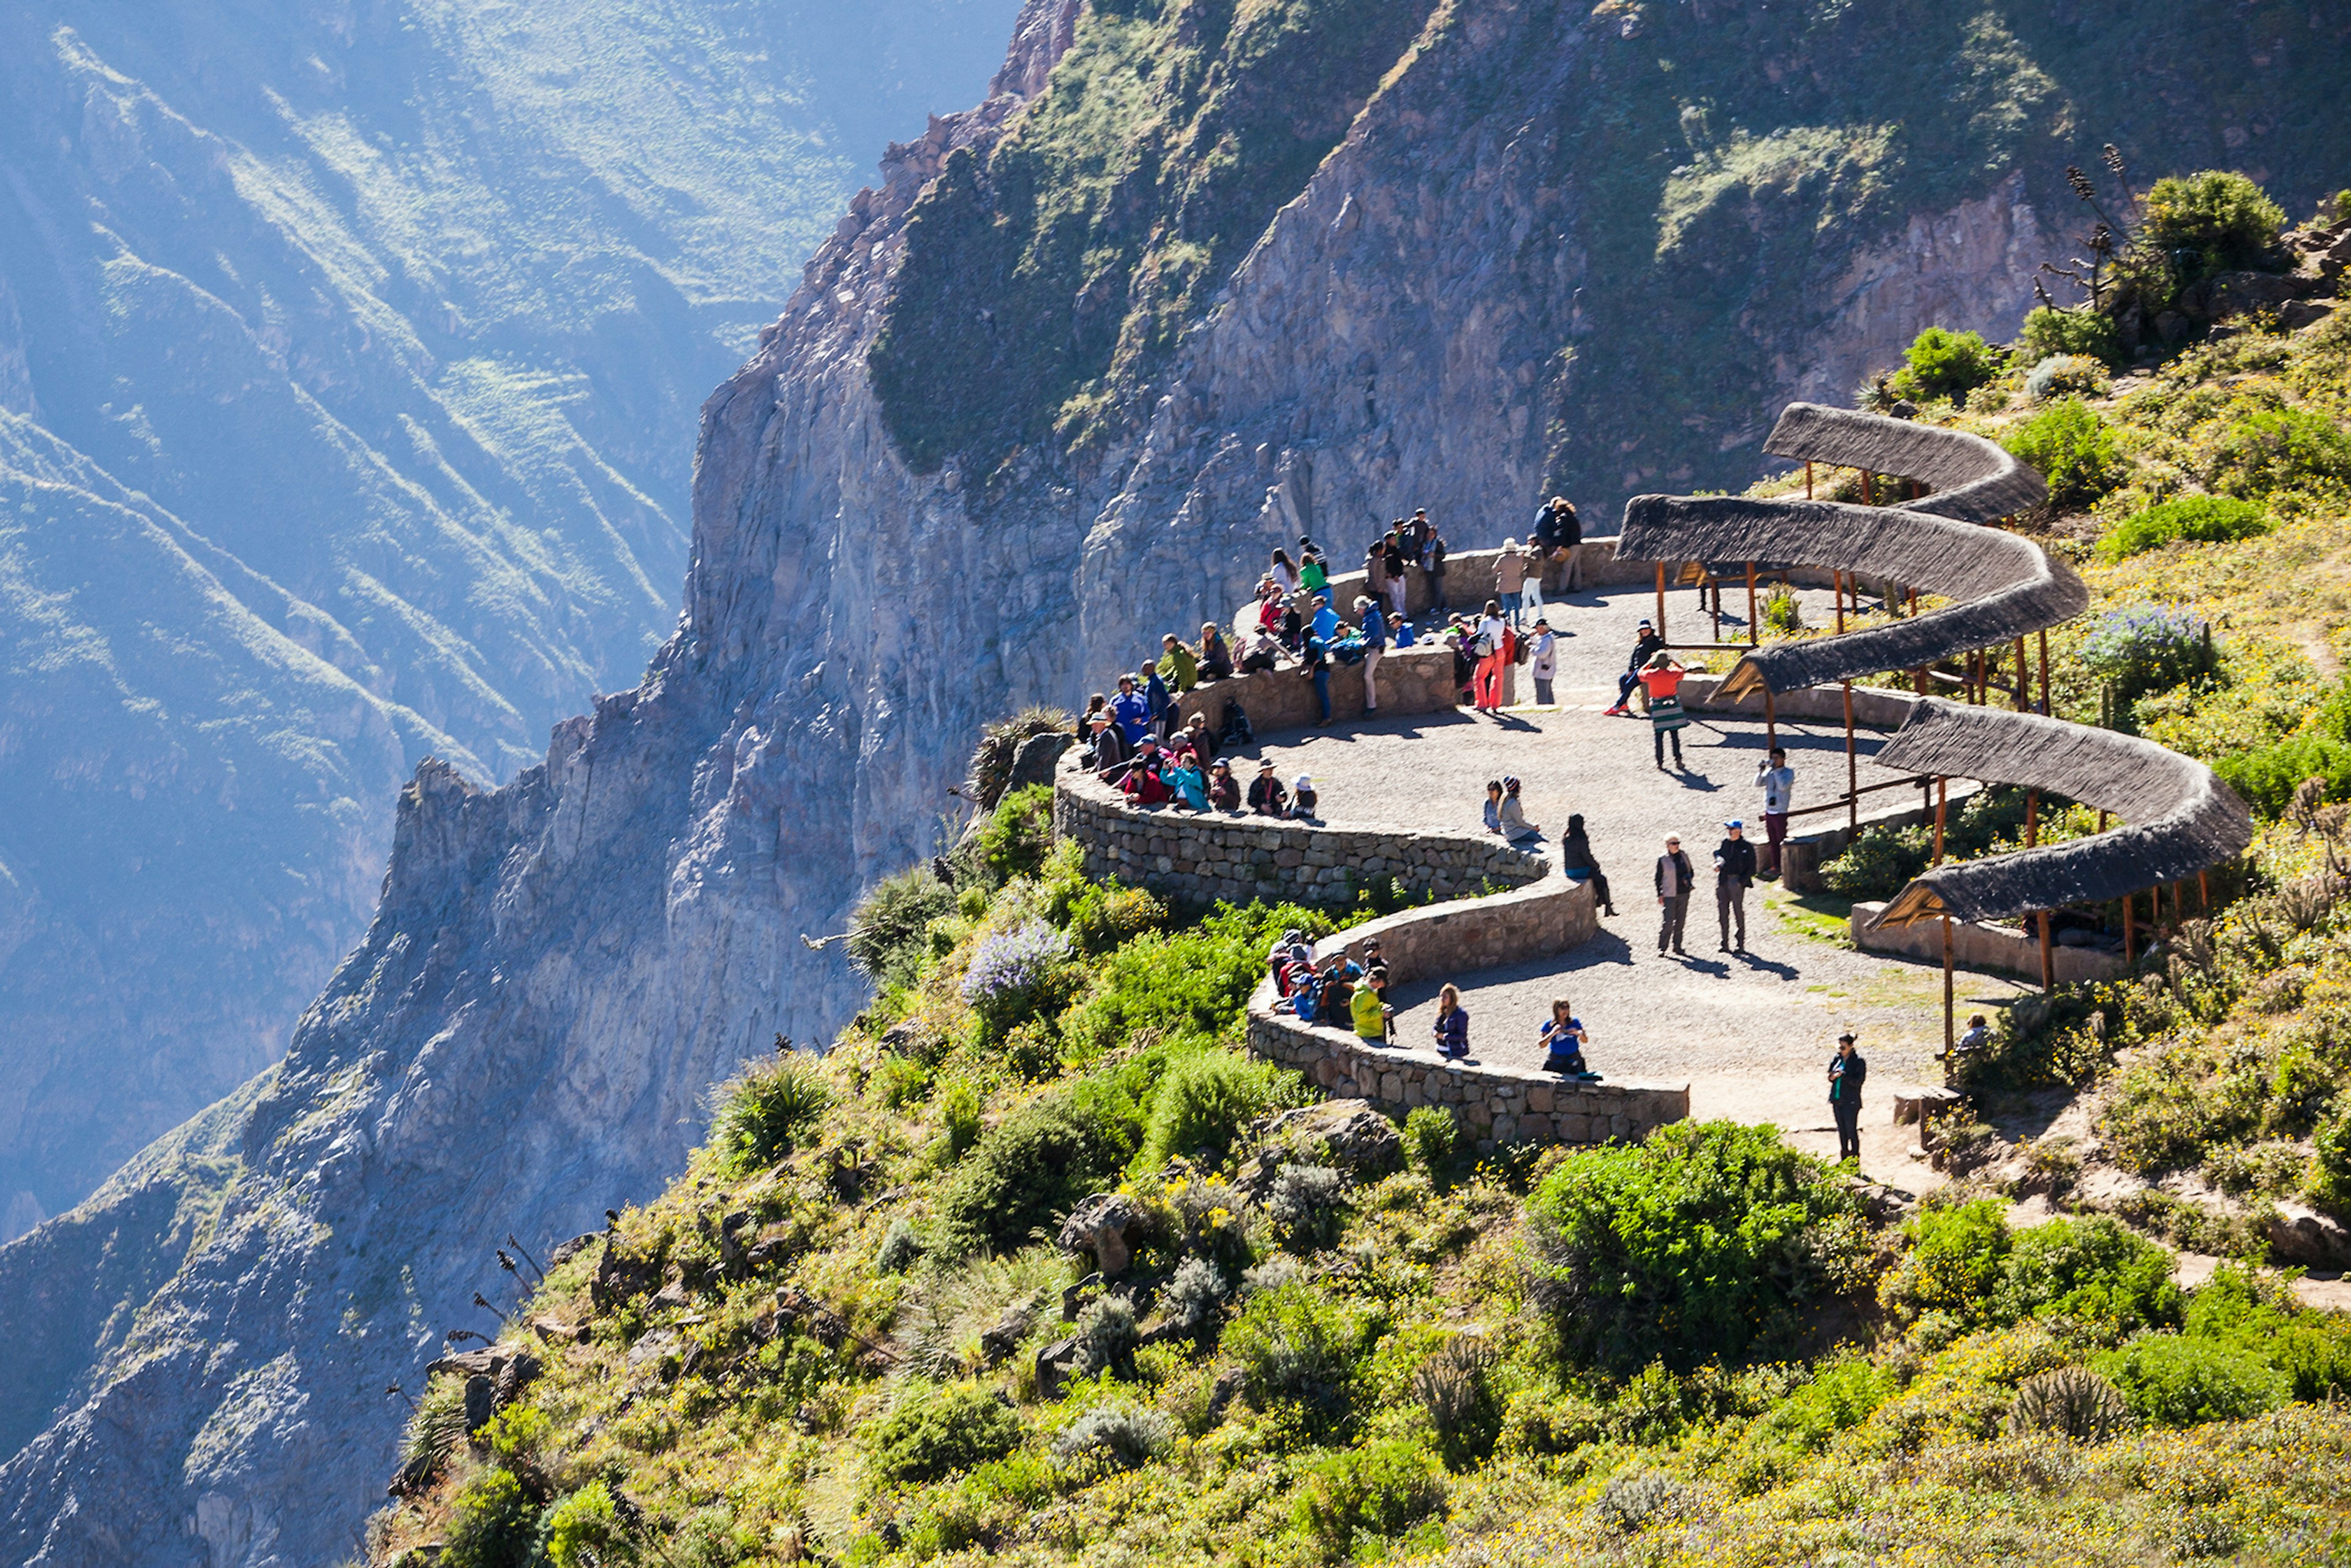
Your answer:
<point x="1496" y="1105"/>
<point x="1411" y="680"/>
<point x="1193" y="858"/>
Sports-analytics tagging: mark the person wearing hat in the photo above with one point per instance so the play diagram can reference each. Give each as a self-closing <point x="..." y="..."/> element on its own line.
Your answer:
<point x="1512" y="815"/>
<point x="1734" y="873"/>
<point x="1847" y="1071"/>
<point x="1646" y="645"/>
<point x="1266" y="798"/>
<point x="1543" y="660"/>
<point x="1303" y="797"/>
<point x="1675" y="877"/>
<point x="1224" y="790"/>
<point x="1509" y="580"/>
<point x="1108" y="751"/>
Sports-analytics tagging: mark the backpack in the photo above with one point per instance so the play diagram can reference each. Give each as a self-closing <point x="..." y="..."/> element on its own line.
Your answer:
<point x="1237" y="730"/>
<point x="1571" y="528"/>
<point x="1519" y="656"/>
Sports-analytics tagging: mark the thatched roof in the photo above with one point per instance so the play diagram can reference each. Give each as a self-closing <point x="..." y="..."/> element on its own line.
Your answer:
<point x="2006" y="585"/>
<point x="1975" y="480"/>
<point x="2180" y="819"/>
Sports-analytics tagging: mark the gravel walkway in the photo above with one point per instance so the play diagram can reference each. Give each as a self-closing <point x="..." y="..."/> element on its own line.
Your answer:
<point x="1751" y="1032"/>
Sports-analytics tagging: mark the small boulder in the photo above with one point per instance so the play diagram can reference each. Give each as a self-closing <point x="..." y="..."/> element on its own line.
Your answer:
<point x="2299" y="1234"/>
<point x="1057" y="1363"/>
<point x="481" y="1402"/>
<point x="621" y="1276"/>
<point x="1347" y="1134"/>
<point x="566" y="1250"/>
<point x="1034" y="762"/>
<point x="1099" y="1226"/>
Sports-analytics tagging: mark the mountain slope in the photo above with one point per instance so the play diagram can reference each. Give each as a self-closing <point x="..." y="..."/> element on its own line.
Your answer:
<point x="559" y="968"/>
<point x="392" y="318"/>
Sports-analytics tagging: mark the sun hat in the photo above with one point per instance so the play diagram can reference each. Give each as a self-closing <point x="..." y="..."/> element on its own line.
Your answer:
<point x="1305" y="781"/>
<point x="1735" y="822"/>
<point x="1266" y="766"/>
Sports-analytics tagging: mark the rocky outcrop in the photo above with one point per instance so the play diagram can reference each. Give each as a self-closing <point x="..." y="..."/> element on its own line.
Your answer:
<point x="1492" y="283"/>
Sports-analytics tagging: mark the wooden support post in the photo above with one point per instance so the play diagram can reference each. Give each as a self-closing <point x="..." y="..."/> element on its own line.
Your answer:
<point x="1754" y="629"/>
<point x="1868" y="489"/>
<point x="1837" y="578"/>
<point x="2044" y="675"/>
<point x="1661" y="602"/>
<point x="1942" y="810"/>
<point x="2048" y="957"/>
<point x="2203" y="892"/>
<point x="2130" y="925"/>
<point x="1808" y="478"/>
<point x="2023" y="680"/>
<point x="1948" y="1041"/>
<point x="2032" y="818"/>
<point x="1852" y="768"/>
<point x="1770" y="719"/>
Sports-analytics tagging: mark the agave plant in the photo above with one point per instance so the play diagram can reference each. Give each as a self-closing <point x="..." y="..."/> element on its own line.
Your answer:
<point x="2072" y="1401"/>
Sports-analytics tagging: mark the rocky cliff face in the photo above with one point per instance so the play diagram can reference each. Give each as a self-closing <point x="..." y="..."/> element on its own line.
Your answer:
<point x="348" y="362"/>
<point x="1538" y="246"/>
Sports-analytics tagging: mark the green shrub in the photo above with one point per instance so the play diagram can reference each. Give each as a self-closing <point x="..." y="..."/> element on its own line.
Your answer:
<point x="1378" y="1491"/>
<point x="2065" y="375"/>
<point x="1431" y="1136"/>
<point x="1456" y="1388"/>
<point x="766" y="1110"/>
<point x="2092" y="1269"/>
<point x="1023" y="1176"/>
<point x="960" y="1117"/>
<point x="2070" y="1402"/>
<point x="2085" y="332"/>
<point x="2073" y="449"/>
<point x="2171" y="1380"/>
<point x="933" y="1434"/>
<point x="888" y="933"/>
<point x="493" y="1524"/>
<point x="2257" y="1315"/>
<point x="1204" y="1102"/>
<point x="1191" y="985"/>
<point x="1946" y="364"/>
<point x="1880" y="862"/>
<point x="1299" y="1347"/>
<point x="2330" y="1165"/>
<point x="1706" y="1240"/>
<point x="2145" y="649"/>
<point x="1105" y="915"/>
<point x="2209" y="520"/>
<point x="1956" y="1259"/>
<point x="2215" y="221"/>
<point x="584" y="1532"/>
<point x="2277" y="449"/>
<point x="2267" y="776"/>
<point x="1115" y="1437"/>
<point x="1017" y="835"/>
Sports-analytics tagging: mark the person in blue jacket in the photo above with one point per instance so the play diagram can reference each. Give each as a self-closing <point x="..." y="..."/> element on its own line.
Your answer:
<point x="1131" y="711"/>
<point x="1375" y="643"/>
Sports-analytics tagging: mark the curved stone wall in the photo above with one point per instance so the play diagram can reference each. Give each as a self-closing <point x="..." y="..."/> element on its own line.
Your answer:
<point x="1189" y="857"/>
<point x="1496" y="1105"/>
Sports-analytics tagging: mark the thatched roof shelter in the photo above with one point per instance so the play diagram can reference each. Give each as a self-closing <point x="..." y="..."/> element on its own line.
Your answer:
<point x="1974" y="480"/>
<point x="2006" y="586"/>
<point x="2180" y="818"/>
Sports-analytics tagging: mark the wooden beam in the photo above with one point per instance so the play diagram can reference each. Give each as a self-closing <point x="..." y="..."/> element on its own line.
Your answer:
<point x="2048" y="957"/>
<point x="1754" y="629"/>
<point x="1942" y="811"/>
<point x="1661" y="602"/>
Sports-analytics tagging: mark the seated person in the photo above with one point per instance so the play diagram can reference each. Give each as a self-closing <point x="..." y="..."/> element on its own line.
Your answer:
<point x="1576" y="859"/>
<point x="1563" y="1040"/>
<point x="1263" y="653"/>
<point x="1105" y="750"/>
<point x="1216" y="658"/>
<point x="1266" y="798"/>
<point x="1202" y="738"/>
<point x="1511" y="816"/>
<point x="1144" y="785"/>
<point x="1371" y="1016"/>
<point x="1303" y="798"/>
<point x="1224" y="790"/>
<point x="1188" y="784"/>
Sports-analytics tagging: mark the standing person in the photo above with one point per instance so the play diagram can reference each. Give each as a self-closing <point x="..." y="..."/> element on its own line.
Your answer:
<point x="1848" y="1069"/>
<point x="1734" y="873"/>
<point x="1509" y="578"/>
<point x="1778" y="783"/>
<point x="1392" y="555"/>
<point x="1452" y="1026"/>
<point x="1576" y="859"/>
<point x="1675" y="876"/>
<point x="1567" y="544"/>
<point x="1371" y="1014"/>
<point x="1317" y="667"/>
<point x="1178" y="666"/>
<point x="1536" y="566"/>
<point x="1662" y="676"/>
<point x="1313" y="575"/>
<point x="1646" y="645"/>
<point x="1375" y="571"/>
<point x="1491" y="653"/>
<point x="1131" y="710"/>
<point x="1266" y="798"/>
<point x="1542" y="662"/>
<point x="1432" y="563"/>
<point x="1411" y="536"/>
<point x="1563" y="1040"/>
<point x="1375" y="643"/>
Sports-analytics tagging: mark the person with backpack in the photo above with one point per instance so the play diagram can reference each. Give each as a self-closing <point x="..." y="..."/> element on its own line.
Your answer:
<point x="1371" y="1016"/>
<point x="1576" y="859"/>
<point x="1492" y="649"/>
<point x="1313" y="575"/>
<point x="1662" y="676"/>
<point x="1375" y="643"/>
<point x="1537" y="564"/>
<point x="1778" y="783"/>
<point x="1542" y="662"/>
<point x="1375" y="571"/>
<point x="1646" y="645"/>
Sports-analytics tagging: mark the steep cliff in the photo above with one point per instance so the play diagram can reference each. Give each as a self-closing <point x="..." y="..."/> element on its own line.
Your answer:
<point x="1058" y="383"/>
<point x="349" y="361"/>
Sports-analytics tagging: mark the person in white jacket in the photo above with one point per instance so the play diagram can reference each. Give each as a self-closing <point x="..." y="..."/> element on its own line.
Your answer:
<point x="1542" y="662"/>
